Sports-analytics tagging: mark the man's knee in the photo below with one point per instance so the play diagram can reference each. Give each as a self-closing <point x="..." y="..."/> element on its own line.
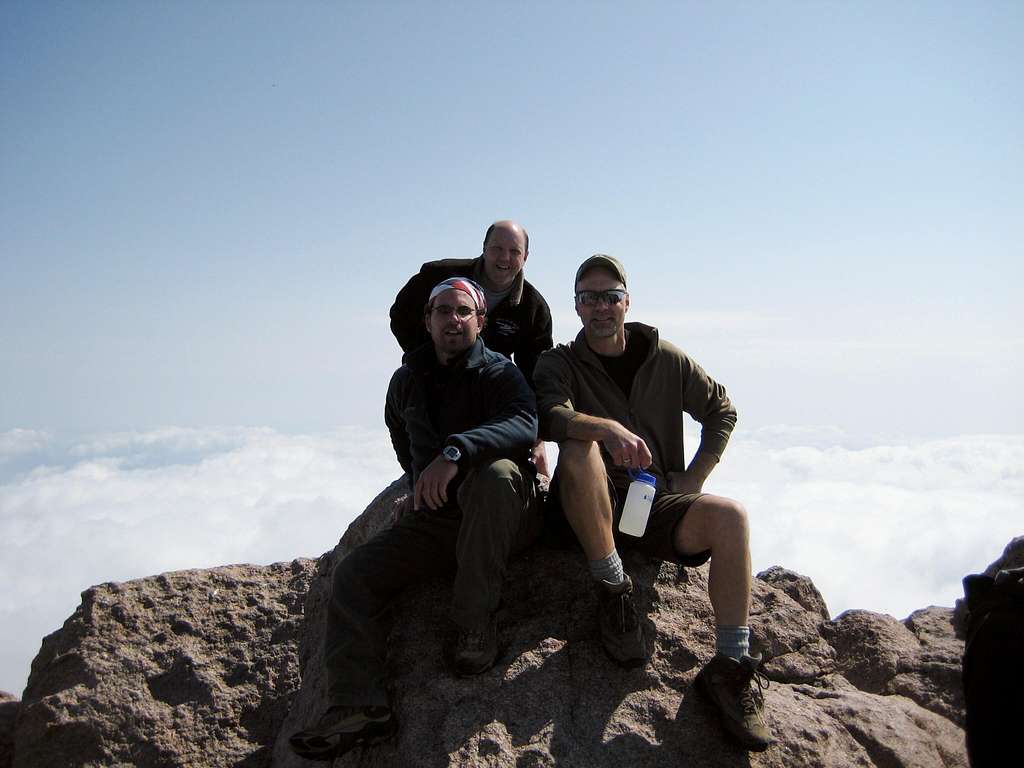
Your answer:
<point x="729" y="515"/>
<point x="579" y="460"/>
<point x="492" y="477"/>
<point x="712" y="522"/>
<point x="727" y="524"/>
<point x="490" y="482"/>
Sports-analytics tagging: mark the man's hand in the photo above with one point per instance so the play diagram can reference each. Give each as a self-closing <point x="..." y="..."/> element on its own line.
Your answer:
<point x="432" y="485"/>
<point x="684" y="482"/>
<point x="627" y="450"/>
<point x="539" y="456"/>
<point x="692" y="480"/>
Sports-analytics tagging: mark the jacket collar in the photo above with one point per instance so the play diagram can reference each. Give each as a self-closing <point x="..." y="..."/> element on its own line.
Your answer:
<point x="514" y="296"/>
<point x="583" y="351"/>
<point x="423" y="358"/>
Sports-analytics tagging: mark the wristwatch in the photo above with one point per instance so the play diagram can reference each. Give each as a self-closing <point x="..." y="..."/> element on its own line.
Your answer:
<point x="451" y="453"/>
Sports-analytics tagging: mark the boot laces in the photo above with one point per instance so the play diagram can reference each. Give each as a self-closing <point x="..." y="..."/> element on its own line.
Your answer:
<point x="627" y="612"/>
<point x="472" y="640"/>
<point x="751" y="696"/>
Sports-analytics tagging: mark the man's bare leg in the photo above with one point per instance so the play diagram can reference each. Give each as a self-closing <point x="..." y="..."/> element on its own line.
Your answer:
<point x="728" y="680"/>
<point x="583" y="491"/>
<point x="720" y="524"/>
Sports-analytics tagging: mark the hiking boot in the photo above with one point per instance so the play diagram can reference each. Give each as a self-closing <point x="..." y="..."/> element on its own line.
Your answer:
<point x="340" y="729"/>
<point x="734" y="687"/>
<point x="474" y="651"/>
<point x="621" y="629"/>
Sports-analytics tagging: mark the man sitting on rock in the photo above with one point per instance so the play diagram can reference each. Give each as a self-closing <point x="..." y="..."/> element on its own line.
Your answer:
<point x="614" y="399"/>
<point x="462" y="421"/>
<point x="518" y="318"/>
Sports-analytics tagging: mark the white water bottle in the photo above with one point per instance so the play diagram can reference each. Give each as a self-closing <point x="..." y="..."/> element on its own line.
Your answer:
<point x="638" y="504"/>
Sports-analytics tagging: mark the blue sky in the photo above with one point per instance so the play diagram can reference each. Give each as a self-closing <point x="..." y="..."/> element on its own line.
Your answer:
<point x="206" y="210"/>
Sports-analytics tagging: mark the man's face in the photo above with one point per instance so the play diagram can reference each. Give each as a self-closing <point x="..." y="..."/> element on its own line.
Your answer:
<point x="504" y="255"/>
<point x="603" y="319"/>
<point x="451" y="331"/>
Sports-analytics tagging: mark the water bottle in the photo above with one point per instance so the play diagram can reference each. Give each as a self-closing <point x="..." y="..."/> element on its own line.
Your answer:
<point x="638" y="504"/>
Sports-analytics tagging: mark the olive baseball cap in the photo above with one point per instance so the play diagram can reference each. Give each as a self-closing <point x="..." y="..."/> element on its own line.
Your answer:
<point x="604" y="261"/>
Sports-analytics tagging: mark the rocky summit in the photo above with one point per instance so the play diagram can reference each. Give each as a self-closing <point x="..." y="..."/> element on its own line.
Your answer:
<point x="218" y="667"/>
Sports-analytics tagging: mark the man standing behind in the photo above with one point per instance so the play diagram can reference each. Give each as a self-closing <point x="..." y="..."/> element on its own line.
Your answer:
<point x="462" y="420"/>
<point x="614" y="399"/>
<point x="518" y="319"/>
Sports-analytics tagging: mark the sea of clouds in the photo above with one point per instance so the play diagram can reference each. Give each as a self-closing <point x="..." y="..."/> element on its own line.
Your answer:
<point x="890" y="528"/>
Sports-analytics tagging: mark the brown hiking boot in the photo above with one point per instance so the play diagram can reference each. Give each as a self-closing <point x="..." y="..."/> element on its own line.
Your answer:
<point x="734" y="687"/>
<point x="621" y="629"/>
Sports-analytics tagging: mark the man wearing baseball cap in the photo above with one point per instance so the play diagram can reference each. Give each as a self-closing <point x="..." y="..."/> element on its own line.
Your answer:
<point x="614" y="400"/>
<point x="462" y="421"/>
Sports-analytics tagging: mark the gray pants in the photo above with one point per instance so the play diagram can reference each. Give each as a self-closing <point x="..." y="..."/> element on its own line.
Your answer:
<point x="497" y="516"/>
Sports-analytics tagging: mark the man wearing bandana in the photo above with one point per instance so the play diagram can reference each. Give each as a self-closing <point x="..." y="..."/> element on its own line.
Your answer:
<point x="518" y="318"/>
<point x="462" y="420"/>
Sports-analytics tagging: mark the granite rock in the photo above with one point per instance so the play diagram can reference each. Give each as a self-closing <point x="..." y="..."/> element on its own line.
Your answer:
<point x="187" y="668"/>
<point x="203" y="668"/>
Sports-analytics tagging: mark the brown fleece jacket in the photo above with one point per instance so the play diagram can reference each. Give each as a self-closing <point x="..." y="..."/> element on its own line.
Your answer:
<point x="570" y="379"/>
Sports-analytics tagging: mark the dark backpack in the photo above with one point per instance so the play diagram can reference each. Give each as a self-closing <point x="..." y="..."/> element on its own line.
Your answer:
<point x="993" y="667"/>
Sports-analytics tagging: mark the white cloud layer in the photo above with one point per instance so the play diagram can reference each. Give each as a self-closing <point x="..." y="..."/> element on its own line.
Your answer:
<point x="122" y="506"/>
<point x="888" y="528"/>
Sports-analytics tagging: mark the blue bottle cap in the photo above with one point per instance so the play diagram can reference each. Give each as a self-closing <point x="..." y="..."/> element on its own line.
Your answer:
<point x="643" y="477"/>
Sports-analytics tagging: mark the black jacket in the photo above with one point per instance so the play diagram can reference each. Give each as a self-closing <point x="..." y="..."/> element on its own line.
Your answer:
<point x="480" y="404"/>
<point x="519" y="327"/>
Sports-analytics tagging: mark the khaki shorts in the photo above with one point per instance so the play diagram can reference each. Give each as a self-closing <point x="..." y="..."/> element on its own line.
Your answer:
<point x="667" y="511"/>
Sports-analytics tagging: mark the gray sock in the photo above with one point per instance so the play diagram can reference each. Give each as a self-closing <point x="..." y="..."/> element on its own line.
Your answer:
<point x="608" y="569"/>
<point x="733" y="642"/>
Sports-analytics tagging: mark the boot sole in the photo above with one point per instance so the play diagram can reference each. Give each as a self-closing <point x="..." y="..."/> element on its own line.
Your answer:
<point x="372" y="734"/>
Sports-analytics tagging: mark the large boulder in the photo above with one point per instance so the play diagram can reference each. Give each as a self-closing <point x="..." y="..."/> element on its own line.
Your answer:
<point x="553" y="698"/>
<point x="202" y="668"/>
<point x="187" y="668"/>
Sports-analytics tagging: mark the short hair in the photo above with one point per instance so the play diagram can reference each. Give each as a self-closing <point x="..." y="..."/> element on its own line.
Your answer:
<point x="526" y="235"/>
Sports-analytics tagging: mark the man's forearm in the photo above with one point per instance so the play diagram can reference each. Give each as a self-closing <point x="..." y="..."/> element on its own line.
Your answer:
<point x="692" y="480"/>
<point x="584" y="427"/>
<point x="702" y="465"/>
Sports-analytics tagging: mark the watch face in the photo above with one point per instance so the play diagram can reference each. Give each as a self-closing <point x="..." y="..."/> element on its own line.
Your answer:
<point x="452" y="453"/>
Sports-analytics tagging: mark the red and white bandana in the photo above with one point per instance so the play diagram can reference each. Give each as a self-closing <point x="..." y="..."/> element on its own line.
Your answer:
<point x="464" y="284"/>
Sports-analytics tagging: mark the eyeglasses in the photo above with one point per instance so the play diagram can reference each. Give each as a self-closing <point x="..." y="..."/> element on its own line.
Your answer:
<point x="463" y="312"/>
<point x="592" y="298"/>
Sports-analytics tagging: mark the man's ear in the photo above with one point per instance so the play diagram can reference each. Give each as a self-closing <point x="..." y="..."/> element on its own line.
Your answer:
<point x="482" y="323"/>
<point x="426" y="321"/>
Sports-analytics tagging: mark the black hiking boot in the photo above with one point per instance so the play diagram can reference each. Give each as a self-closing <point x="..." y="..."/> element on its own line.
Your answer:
<point x="474" y="651"/>
<point x="621" y="629"/>
<point x="340" y="729"/>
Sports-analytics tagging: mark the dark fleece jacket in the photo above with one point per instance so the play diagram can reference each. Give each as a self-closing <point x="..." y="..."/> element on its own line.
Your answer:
<point x="485" y="408"/>
<point x="519" y="327"/>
